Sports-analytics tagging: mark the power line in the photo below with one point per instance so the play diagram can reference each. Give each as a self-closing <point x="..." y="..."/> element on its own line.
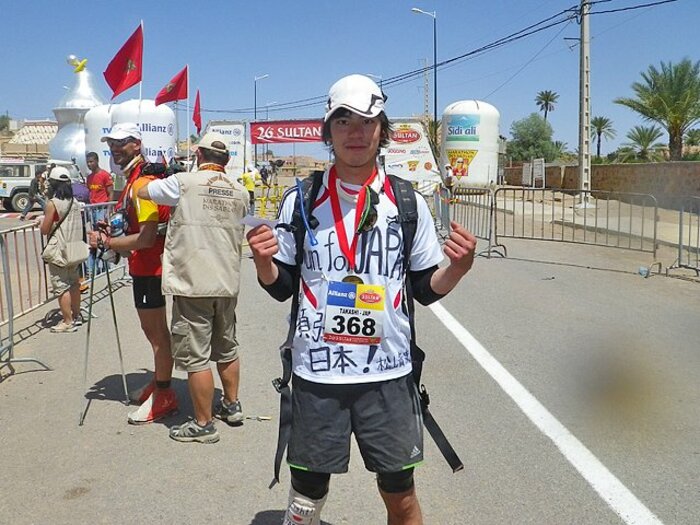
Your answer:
<point x="632" y="7"/>
<point x="565" y="15"/>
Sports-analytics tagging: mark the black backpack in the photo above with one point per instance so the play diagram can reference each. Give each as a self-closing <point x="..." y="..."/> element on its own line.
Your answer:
<point x="408" y="215"/>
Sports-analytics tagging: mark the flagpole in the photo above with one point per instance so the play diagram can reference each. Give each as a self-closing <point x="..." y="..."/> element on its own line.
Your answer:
<point x="188" y="112"/>
<point x="141" y="83"/>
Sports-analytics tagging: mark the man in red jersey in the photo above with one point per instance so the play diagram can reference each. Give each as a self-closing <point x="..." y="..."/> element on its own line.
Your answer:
<point x="99" y="182"/>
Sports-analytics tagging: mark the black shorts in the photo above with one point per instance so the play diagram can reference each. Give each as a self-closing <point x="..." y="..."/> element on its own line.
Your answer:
<point x="147" y="294"/>
<point x="384" y="416"/>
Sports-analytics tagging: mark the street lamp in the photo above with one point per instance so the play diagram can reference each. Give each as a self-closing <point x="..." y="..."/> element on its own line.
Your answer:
<point x="434" y="16"/>
<point x="376" y="77"/>
<point x="255" y="109"/>
<point x="267" y="117"/>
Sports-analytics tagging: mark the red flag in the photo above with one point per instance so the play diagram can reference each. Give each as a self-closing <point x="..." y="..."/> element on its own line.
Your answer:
<point x="125" y="69"/>
<point x="197" y="114"/>
<point x="176" y="89"/>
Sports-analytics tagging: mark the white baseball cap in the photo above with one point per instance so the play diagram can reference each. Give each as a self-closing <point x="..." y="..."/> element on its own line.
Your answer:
<point x="60" y="173"/>
<point x="357" y="93"/>
<point x="212" y="141"/>
<point x="122" y="131"/>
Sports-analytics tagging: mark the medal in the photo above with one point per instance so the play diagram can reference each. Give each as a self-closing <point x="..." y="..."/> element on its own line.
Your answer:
<point x="354" y="279"/>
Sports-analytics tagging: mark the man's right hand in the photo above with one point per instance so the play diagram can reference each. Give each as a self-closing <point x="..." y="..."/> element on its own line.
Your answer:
<point x="263" y="244"/>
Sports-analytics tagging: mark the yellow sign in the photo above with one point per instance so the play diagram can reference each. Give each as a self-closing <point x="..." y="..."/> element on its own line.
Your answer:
<point x="460" y="159"/>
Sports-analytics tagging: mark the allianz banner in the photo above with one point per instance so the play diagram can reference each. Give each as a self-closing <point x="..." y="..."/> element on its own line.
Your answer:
<point x="281" y="131"/>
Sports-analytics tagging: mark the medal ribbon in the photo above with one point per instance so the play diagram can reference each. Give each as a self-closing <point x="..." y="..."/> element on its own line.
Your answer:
<point x="348" y="249"/>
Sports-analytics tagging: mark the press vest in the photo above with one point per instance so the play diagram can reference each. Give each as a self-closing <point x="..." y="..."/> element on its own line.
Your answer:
<point x="202" y="255"/>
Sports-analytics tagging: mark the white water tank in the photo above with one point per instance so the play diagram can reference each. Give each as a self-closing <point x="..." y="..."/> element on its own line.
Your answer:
<point x="157" y="125"/>
<point x="470" y="131"/>
<point x="98" y="122"/>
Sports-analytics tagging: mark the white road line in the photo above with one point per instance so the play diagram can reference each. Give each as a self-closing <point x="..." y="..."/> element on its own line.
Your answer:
<point x="604" y="482"/>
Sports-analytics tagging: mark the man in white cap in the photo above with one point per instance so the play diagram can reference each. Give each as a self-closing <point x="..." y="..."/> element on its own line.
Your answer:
<point x="350" y="354"/>
<point x="201" y="270"/>
<point x="144" y="240"/>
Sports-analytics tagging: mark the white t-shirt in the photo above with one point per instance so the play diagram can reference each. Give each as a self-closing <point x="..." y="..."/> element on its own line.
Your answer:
<point x="378" y="261"/>
<point x="165" y="192"/>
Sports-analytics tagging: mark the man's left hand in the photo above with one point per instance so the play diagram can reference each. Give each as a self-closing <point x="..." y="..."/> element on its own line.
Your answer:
<point x="94" y="238"/>
<point x="460" y="248"/>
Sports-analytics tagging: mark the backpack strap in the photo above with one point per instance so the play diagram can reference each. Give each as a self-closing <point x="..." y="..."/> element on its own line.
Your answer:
<point x="308" y="190"/>
<point x="408" y="215"/>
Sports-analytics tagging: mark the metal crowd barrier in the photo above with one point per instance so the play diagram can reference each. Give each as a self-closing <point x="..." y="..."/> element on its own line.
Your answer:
<point x="473" y="208"/>
<point x="441" y="208"/>
<point x="7" y="300"/>
<point x="268" y="200"/>
<point x="688" y="235"/>
<point x="601" y="218"/>
<point x="24" y="286"/>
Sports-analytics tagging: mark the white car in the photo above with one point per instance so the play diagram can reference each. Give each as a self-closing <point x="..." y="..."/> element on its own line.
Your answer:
<point x="17" y="174"/>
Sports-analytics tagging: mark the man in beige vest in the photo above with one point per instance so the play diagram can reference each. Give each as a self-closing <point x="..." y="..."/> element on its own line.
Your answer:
<point x="201" y="267"/>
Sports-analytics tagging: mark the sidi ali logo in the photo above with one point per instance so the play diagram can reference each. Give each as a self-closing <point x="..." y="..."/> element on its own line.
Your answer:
<point x="405" y="134"/>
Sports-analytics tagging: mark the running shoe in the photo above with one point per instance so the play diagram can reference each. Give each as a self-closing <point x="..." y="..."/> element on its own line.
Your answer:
<point x="78" y="320"/>
<point x="231" y="414"/>
<point x="140" y="395"/>
<point x="160" y="404"/>
<point x="193" y="432"/>
<point x="63" y="328"/>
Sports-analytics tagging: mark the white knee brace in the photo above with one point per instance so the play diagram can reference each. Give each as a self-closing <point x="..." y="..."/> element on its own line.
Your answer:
<point x="303" y="510"/>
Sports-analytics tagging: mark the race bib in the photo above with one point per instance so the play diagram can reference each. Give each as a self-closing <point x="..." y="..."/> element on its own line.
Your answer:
<point x="354" y="313"/>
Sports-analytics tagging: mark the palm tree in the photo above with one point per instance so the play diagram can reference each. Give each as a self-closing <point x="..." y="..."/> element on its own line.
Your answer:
<point x="601" y="127"/>
<point x="692" y="137"/>
<point x="670" y="97"/>
<point x="642" y="144"/>
<point x="545" y="100"/>
<point x="433" y="130"/>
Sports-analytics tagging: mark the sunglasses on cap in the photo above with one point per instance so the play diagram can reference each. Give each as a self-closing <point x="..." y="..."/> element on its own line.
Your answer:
<point x="369" y="214"/>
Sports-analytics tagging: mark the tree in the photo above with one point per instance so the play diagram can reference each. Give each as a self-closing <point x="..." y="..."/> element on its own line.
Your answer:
<point x="671" y="98"/>
<point x="642" y="145"/>
<point x="532" y="139"/>
<point x="433" y="129"/>
<point x="601" y="127"/>
<point x="562" y="153"/>
<point x="4" y="122"/>
<point x="692" y="137"/>
<point x="545" y="101"/>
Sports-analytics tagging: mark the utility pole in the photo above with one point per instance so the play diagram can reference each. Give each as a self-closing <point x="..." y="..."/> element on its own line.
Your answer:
<point x="584" y="132"/>
<point x="426" y="91"/>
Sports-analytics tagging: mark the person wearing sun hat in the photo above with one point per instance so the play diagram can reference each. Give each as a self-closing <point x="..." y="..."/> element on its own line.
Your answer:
<point x="62" y="212"/>
<point x="201" y="270"/>
<point x="352" y="374"/>
<point x="144" y="241"/>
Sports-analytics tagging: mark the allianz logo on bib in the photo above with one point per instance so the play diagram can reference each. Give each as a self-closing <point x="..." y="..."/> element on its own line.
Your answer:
<point x="341" y="294"/>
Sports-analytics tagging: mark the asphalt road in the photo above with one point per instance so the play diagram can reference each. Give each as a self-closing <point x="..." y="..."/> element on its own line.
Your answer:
<point x="572" y="398"/>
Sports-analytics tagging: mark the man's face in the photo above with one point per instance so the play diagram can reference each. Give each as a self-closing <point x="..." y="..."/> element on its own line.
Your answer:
<point x="124" y="150"/>
<point x="355" y="139"/>
<point x="92" y="164"/>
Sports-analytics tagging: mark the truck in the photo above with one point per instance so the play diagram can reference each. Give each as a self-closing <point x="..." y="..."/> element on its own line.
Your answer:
<point x="17" y="173"/>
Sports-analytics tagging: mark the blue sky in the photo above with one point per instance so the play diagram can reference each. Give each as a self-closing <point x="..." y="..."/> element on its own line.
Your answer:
<point x="305" y="46"/>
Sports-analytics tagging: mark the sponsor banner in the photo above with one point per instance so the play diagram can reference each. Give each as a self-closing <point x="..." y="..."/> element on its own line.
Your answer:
<point x="460" y="159"/>
<point x="234" y="132"/>
<point x="409" y="155"/>
<point x="285" y="131"/>
<point x="463" y="128"/>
